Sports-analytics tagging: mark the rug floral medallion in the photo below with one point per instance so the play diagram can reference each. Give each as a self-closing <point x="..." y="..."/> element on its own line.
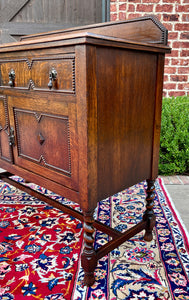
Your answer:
<point x="40" y="249"/>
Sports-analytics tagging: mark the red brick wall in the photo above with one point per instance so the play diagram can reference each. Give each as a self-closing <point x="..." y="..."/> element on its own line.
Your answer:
<point x="174" y="14"/>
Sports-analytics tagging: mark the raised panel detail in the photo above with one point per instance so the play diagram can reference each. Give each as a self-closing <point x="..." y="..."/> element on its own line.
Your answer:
<point x="5" y="149"/>
<point x="44" y="139"/>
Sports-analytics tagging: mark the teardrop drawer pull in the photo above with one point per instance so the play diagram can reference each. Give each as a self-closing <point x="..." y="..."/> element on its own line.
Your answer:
<point x="52" y="77"/>
<point x="11" y="78"/>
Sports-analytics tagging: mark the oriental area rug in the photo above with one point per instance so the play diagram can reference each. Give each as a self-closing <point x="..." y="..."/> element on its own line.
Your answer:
<point x="40" y="249"/>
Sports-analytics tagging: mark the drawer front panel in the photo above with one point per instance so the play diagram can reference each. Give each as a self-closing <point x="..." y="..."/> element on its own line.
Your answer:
<point x="46" y="138"/>
<point x="36" y="73"/>
<point x="5" y="149"/>
<point x="20" y="69"/>
<point x="65" y="69"/>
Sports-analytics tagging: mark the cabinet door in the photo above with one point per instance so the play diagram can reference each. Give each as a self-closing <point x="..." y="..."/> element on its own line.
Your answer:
<point x="45" y="138"/>
<point x="5" y="149"/>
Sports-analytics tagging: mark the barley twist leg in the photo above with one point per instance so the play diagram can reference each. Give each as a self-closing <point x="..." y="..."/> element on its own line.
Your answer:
<point x="88" y="258"/>
<point x="149" y="216"/>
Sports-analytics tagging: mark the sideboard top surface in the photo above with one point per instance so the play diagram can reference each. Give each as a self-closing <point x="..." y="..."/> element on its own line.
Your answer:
<point x="146" y="29"/>
<point x="144" y="34"/>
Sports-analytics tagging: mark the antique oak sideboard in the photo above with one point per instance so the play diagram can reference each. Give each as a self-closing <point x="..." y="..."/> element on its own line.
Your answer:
<point x="80" y="114"/>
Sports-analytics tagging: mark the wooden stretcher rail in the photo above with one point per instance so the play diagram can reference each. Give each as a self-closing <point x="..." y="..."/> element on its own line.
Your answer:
<point x="118" y="237"/>
<point x="66" y="209"/>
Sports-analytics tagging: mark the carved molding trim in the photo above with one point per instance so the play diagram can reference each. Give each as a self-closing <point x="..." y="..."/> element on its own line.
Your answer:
<point x="31" y="85"/>
<point x="73" y="75"/>
<point x="38" y="116"/>
<point x="4" y="100"/>
<point x="5" y="129"/>
<point x="29" y="63"/>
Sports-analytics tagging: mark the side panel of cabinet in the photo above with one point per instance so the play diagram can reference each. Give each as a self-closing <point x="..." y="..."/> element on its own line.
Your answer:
<point x="46" y="138"/>
<point x="5" y="149"/>
<point x="126" y="120"/>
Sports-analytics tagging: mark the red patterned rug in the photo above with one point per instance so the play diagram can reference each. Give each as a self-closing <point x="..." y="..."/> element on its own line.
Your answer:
<point x="40" y="250"/>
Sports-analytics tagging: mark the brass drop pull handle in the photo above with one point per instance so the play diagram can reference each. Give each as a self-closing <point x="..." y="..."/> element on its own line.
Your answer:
<point x="52" y="77"/>
<point x="11" y="78"/>
<point x="11" y="137"/>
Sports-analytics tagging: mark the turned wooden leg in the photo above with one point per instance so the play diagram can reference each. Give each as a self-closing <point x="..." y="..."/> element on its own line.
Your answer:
<point x="88" y="257"/>
<point x="149" y="216"/>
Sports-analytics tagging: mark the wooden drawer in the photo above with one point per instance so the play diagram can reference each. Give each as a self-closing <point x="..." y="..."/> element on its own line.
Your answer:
<point x="45" y="138"/>
<point x="36" y="73"/>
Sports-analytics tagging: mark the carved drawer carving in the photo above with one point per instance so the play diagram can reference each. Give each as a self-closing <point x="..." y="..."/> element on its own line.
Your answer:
<point x="35" y="73"/>
<point x="5" y="149"/>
